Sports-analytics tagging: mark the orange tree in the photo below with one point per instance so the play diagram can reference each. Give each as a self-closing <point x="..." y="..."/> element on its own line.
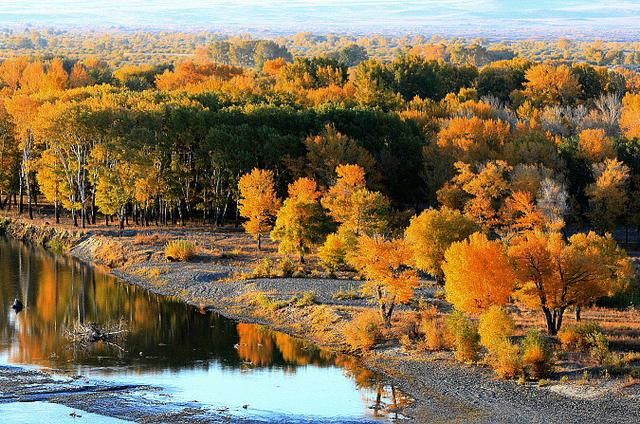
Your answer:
<point x="385" y="265"/>
<point x="477" y="274"/>
<point x="258" y="202"/>
<point x="554" y="274"/>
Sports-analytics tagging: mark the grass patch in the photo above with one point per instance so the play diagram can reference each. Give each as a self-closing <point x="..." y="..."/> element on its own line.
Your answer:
<point x="179" y="250"/>
<point x="348" y="294"/>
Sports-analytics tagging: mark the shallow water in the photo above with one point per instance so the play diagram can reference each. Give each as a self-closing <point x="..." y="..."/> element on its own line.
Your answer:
<point x="188" y="358"/>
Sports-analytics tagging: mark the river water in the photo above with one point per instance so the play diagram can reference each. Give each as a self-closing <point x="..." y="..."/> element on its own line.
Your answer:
<point x="186" y="358"/>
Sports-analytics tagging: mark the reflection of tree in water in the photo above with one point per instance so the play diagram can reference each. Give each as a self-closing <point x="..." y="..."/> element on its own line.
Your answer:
<point x="263" y="347"/>
<point x="162" y="333"/>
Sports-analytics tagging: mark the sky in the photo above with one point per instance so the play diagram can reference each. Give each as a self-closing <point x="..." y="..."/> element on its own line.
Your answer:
<point x="327" y="15"/>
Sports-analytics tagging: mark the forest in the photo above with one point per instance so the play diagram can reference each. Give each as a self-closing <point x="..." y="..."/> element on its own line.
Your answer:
<point x="502" y="180"/>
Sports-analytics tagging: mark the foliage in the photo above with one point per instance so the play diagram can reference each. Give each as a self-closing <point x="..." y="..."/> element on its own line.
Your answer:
<point x="477" y="274"/>
<point x="505" y="359"/>
<point x="385" y="265"/>
<point x="577" y="336"/>
<point x="432" y="232"/>
<point x="258" y="202"/>
<point x="300" y="221"/>
<point x="495" y="327"/>
<point x="363" y="331"/>
<point x="434" y="328"/>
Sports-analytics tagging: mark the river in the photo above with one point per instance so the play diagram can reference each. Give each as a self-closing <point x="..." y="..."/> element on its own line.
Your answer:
<point x="171" y="358"/>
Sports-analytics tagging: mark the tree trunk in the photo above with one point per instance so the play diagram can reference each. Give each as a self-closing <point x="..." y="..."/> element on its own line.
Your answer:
<point x="259" y="242"/>
<point x="553" y="319"/>
<point x="578" y="313"/>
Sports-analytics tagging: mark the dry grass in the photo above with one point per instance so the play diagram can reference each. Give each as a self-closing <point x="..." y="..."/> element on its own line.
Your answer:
<point x="180" y="250"/>
<point x="151" y="239"/>
<point x="112" y="253"/>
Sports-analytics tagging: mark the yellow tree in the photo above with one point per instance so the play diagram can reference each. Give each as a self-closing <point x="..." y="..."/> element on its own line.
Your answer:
<point x="595" y="146"/>
<point x="357" y="210"/>
<point x="57" y="77"/>
<point x="385" y="264"/>
<point x="300" y="222"/>
<point x="431" y="233"/>
<point x="547" y="84"/>
<point x="477" y="274"/>
<point x="115" y="179"/>
<point x="51" y="180"/>
<point x="554" y="274"/>
<point x="258" y="202"/>
<point x="630" y="117"/>
<point x="351" y="205"/>
<point x="608" y="195"/>
<point x="521" y="214"/>
<point x="23" y="110"/>
<point x="473" y="139"/>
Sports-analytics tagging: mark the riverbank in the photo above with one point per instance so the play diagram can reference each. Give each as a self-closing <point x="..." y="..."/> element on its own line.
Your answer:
<point x="443" y="390"/>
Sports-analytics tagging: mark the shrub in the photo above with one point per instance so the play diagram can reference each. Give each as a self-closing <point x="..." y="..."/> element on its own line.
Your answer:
<point x="536" y="355"/>
<point x="57" y="245"/>
<point x="179" y="250"/>
<point x="265" y="302"/>
<point x="577" y="337"/>
<point x="434" y="328"/>
<point x="323" y="317"/>
<point x="599" y="350"/>
<point x="587" y="337"/>
<point x="263" y="269"/>
<point x="111" y="253"/>
<point x="307" y="299"/>
<point x="505" y="359"/>
<point x="465" y="336"/>
<point x="364" y="331"/>
<point x="286" y="267"/>
<point x="496" y="326"/>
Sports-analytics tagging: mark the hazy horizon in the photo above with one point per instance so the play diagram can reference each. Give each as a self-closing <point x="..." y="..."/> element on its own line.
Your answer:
<point x="587" y="17"/>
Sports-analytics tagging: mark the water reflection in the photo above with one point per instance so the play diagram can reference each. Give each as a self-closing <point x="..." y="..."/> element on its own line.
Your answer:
<point x="203" y="357"/>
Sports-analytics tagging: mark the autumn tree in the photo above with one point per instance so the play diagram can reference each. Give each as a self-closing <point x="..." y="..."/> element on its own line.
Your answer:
<point x="432" y="232"/>
<point x="23" y="110"/>
<point x="608" y="196"/>
<point x="554" y="274"/>
<point x="329" y="149"/>
<point x="386" y="266"/>
<point x="478" y="190"/>
<point x="300" y="222"/>
<point x="473" y="139"/>
<point x="477" y="274"/>
<point x="352" y="205"/>
<point x="630" y="117"/>
<point x="548" y="84"/>
<point x="595" y="146"/>
<point x="258" y="202"/>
